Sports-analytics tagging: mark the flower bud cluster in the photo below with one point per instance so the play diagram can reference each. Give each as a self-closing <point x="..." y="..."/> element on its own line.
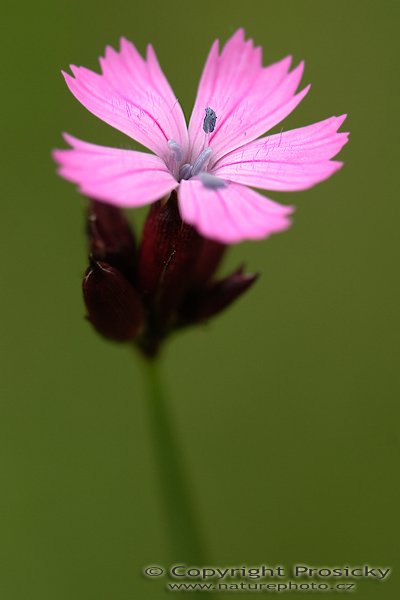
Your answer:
<point x="142" y="293"/>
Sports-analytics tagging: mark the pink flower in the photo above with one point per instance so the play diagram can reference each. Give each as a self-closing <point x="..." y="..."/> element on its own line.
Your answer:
<point x="211" y="162"/>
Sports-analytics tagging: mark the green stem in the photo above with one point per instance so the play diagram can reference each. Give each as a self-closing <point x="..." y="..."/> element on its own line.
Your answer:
<point x="183" y="527"/>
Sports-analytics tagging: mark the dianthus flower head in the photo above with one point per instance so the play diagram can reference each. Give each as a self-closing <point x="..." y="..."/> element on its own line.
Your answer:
<point x="196" y="181"/>
<point x="210" y="163"/>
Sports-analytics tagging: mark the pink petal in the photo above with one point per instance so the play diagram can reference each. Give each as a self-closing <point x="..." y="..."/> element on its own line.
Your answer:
<point x="120" y="177"/>
<point x="132" y="95"/>
<point x="290" y="161"/>
<point x="230" y="214"/>
<point x="247" y="98"/>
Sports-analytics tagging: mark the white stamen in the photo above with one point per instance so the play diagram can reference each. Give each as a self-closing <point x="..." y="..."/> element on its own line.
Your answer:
<point x="185" y="172"/>
<point x="201" y="161"/>
<point x="176" y="150"/>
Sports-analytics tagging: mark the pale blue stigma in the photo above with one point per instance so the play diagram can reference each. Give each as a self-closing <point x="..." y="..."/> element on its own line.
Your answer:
<point x="211" y="182"/>
<point x="176" y="150"/>
<point x="209" y="120"/>
<point x="201" y="161"/>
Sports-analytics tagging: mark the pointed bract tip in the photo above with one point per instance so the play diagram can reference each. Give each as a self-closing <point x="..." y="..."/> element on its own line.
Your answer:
<point x="223" y="293"/>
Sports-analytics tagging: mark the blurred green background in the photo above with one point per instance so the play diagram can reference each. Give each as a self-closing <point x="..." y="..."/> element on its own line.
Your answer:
<point x="286" y="406"/>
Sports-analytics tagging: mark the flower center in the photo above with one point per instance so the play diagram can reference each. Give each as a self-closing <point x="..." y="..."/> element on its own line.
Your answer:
<point x="199" y="166"/>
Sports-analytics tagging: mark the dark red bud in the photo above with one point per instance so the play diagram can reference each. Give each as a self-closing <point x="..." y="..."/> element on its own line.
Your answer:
<point x="217" y="296"/>
<point x="111" y="238"/>
<point x="167" y="255"/>
<point x="114" y="307"/>
<point x="207" y="262"/>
